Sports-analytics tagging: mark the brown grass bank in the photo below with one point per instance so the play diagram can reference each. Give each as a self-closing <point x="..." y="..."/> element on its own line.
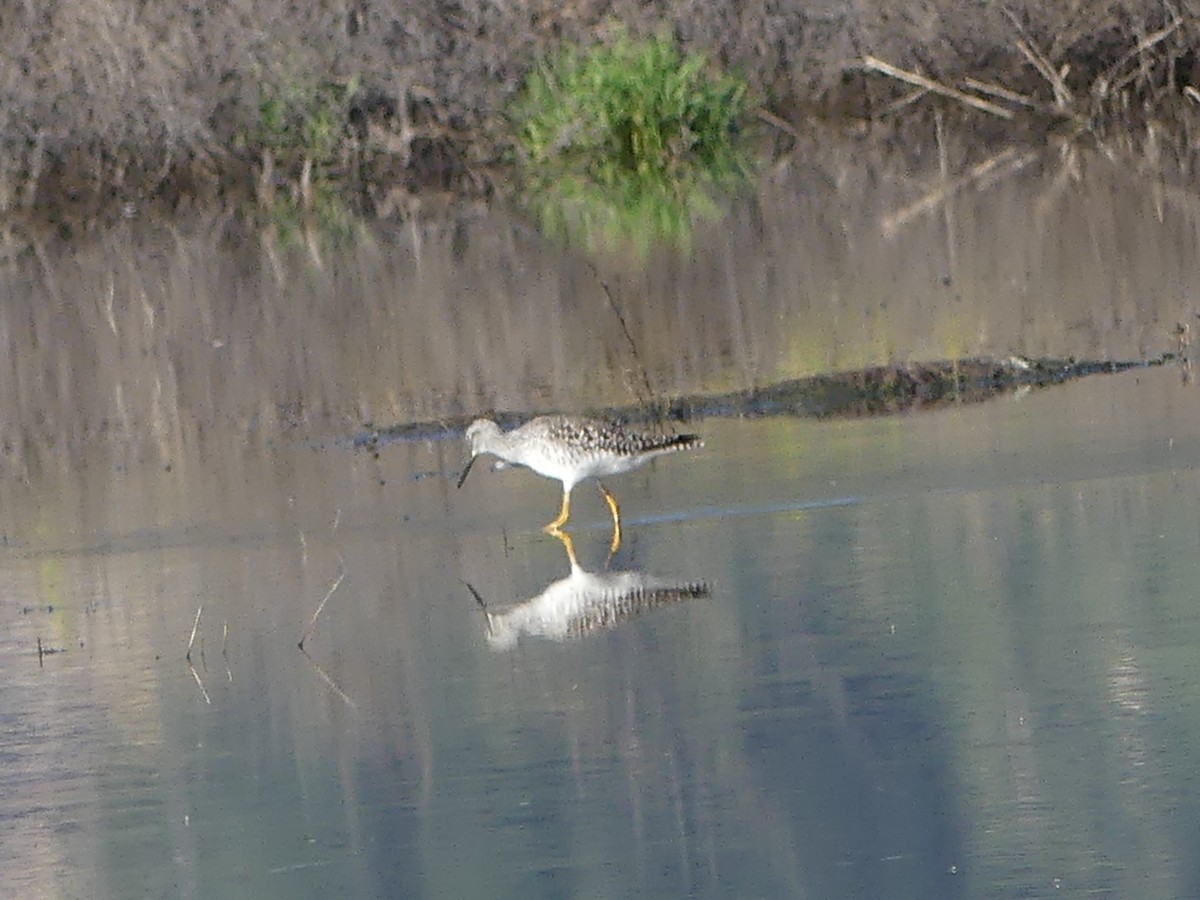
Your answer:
<point x="109" y="106"/>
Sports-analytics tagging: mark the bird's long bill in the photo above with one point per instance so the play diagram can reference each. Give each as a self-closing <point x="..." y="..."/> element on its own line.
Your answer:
<point x="466" y="470"/>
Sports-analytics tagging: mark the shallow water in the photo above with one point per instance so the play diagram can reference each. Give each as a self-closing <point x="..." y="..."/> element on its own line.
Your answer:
<point x="941" y="654"/>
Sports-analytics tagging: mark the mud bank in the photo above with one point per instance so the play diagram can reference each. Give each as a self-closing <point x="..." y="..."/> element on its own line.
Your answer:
<point x="879" y="390"/>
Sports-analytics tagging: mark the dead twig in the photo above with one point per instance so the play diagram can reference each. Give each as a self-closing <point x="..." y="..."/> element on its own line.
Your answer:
<point x="907" y="100"/>
<point x="1068" y="172"/>
<point x="192" y="639"/>
<point x="771" y="119"/>
<point x="1056" y="78"/>
<point x="645" y="400"/>
<point x="1009" y="161"/>
<point x="872" y="64"/>
<point x="995" y="90"/>
<point x="199" y="683"/>
<point x="1141" y="47"/>
<point x="947" y="208"/>
<point x="313" y="621"/>
<point x="329" y="682"/>
<point x="1063" y="99"/>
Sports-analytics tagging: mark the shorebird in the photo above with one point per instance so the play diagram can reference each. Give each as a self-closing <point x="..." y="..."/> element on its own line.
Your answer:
<point x="573" y="449"/>
<point x="584" y="602"/>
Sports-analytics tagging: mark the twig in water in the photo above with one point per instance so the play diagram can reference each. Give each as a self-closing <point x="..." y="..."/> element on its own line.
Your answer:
<point x="1068" y="171"/>
<point x="192" y="639"/>
<point x="313" y="621"/>
<point x="1009" y="160"/>
<point x="109" y="296"/>
<point x="199" y="683"/>
<point x="44" y="650"/>
<point x="947" y="208"/>
<point x="872" y="64"/>
<point x="330" y="682"/>
<point x="645" y="400"/>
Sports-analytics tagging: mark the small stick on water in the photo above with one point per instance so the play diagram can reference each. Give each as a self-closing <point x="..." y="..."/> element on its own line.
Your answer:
<point x="224" y="653"/>
<point x="41" y="653"/>
<point x="330" y="683"/>
<point x="947" y="208"/>
<point x="199" y="683"/>
<point x="643" y="399"/>
<point x="195" y="625"/>
<point x="1006" y="161"/>
<point x="313" y="621"/>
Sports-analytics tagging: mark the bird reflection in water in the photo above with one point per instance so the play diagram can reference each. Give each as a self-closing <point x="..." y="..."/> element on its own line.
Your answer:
<point x="584" y="602"/>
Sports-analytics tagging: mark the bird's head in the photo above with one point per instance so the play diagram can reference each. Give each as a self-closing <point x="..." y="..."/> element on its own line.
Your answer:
<point x="480" y="435"/>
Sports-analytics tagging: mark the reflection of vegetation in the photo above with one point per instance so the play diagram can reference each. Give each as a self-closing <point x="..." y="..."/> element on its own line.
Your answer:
<point x="301" y="132"/>
<point x="624" y="141"/>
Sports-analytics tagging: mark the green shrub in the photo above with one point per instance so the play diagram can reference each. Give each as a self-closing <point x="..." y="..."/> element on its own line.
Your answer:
<point x="628" y="137"/>
<point x="304" y="120"/>
<point x="302" y="125"/>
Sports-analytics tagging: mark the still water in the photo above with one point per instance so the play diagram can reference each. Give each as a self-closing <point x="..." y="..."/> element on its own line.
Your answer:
<point x="945" y="654"/>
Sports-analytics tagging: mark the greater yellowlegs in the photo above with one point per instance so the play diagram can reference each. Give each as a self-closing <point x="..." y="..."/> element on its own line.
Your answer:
<point x="573" y="449"/>
<point x="584" y="602"/>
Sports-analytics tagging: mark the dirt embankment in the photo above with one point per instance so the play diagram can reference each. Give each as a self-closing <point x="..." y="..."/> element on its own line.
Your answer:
<point x="109" y="107"/>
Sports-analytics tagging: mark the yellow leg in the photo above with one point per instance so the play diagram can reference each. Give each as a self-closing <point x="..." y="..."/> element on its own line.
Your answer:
<point x="563" y="515"/>
<point x="616" y="514"/>
<point x="569" y="545"/>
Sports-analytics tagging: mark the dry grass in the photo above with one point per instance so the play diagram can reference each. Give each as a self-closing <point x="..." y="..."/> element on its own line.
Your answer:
<point x="107" y="103"/>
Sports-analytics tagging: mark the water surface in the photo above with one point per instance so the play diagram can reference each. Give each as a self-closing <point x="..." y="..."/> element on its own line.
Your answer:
<point x="947" y="654"/>
<point x="941" y="654"/>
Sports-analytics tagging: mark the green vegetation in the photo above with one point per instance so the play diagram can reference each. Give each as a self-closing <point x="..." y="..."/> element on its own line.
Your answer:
<point x="180" y="103"/>
<point x="301" y="139"/>
<point x="625" y="141"/>
<point x="304" y="120"/>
